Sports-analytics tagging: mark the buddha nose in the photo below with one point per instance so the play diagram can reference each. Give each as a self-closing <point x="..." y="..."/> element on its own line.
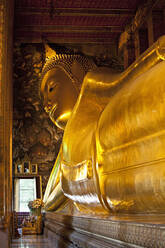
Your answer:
<point x="47" y="107"/>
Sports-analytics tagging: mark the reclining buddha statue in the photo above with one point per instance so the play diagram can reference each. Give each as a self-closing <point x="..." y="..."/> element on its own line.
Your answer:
<point x="112" y="157"/>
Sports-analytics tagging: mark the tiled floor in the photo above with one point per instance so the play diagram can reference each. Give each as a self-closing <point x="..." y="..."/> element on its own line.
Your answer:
<point x="31" y="241"/>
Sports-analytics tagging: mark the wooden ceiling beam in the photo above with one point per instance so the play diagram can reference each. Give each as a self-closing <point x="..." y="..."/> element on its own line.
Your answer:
<point x="75" y="12"/>
<point x="68" y="29"/>
<point x="35" y="39"/>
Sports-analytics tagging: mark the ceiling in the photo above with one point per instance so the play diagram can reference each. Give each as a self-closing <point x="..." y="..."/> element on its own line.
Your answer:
<point x="62" y="22"/>
<point x="77" y="21"/>
<point x="73" y="21"/>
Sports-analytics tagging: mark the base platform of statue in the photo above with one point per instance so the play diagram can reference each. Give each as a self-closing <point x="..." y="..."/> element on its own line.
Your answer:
<point x="105" y="232"/>
<point x="32" y="226"/>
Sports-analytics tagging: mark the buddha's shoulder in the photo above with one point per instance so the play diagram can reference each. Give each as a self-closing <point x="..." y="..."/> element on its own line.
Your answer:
<point x="101" y="74"/>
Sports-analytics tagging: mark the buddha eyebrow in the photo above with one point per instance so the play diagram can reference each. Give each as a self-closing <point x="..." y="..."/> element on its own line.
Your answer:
<point x="52" y="83"/>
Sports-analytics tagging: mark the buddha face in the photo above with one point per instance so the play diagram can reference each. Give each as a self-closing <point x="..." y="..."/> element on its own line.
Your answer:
<point x="59" y="96"/>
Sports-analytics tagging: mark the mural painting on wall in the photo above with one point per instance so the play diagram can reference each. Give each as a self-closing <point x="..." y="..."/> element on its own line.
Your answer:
<point x="35" y="138"/>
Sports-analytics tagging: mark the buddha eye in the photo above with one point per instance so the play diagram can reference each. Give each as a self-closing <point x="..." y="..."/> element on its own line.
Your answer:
<point x="51" y="86"/>
<point x="50" y="90"/>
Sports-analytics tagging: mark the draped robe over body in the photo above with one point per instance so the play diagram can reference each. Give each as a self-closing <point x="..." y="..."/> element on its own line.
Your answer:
<point x="112" y="156"/>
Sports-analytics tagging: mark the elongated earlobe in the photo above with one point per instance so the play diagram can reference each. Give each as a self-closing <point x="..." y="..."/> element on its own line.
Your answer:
<point x="77" y="71"/>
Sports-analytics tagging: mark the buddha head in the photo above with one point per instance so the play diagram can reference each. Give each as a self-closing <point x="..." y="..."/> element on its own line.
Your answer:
<point x="61" y="80"/>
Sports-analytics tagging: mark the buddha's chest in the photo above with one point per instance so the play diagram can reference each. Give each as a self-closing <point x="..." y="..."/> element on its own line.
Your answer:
<point x="77" y="144"/>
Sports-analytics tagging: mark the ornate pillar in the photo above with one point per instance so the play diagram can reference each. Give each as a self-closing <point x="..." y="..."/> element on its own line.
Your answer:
<point x="125" y="56"/>
<point x="138" y="29"/>
<point x="6" y="29"/>
<point x="129" y="53"/>
<point x="150" y="30"/>
<point x="137" y="44"/>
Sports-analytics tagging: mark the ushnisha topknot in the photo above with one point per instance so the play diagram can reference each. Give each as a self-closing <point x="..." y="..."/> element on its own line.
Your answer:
<point x="65" y="62"/>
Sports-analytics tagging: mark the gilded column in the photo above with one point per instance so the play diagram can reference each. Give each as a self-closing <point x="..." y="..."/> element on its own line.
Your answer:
<point x="6" y="26"/>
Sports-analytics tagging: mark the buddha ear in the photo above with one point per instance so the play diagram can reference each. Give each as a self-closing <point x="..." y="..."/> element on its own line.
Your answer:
<point x="78" y="71"/>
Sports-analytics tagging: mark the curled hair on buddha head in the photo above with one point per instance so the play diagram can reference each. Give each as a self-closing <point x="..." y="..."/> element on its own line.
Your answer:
<point x="66" y="62"/>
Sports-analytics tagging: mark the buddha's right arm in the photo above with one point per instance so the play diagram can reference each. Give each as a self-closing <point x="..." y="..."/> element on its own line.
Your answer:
<point x="54" y="198"/>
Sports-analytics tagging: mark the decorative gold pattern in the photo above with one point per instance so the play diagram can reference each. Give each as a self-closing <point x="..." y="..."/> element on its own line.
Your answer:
<point x="25" y="168"/>
<point x="140" y="17"/>
<point x="121" y="231"/>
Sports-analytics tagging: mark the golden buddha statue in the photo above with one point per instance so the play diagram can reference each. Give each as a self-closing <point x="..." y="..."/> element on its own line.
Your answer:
<point x="112" y="154"/>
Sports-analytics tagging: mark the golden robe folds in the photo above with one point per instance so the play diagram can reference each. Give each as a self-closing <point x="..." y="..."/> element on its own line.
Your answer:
<point x="112" y="156"/>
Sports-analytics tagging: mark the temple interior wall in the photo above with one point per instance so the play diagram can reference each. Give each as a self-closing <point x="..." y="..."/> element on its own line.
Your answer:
<point x="31" y="118"/>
